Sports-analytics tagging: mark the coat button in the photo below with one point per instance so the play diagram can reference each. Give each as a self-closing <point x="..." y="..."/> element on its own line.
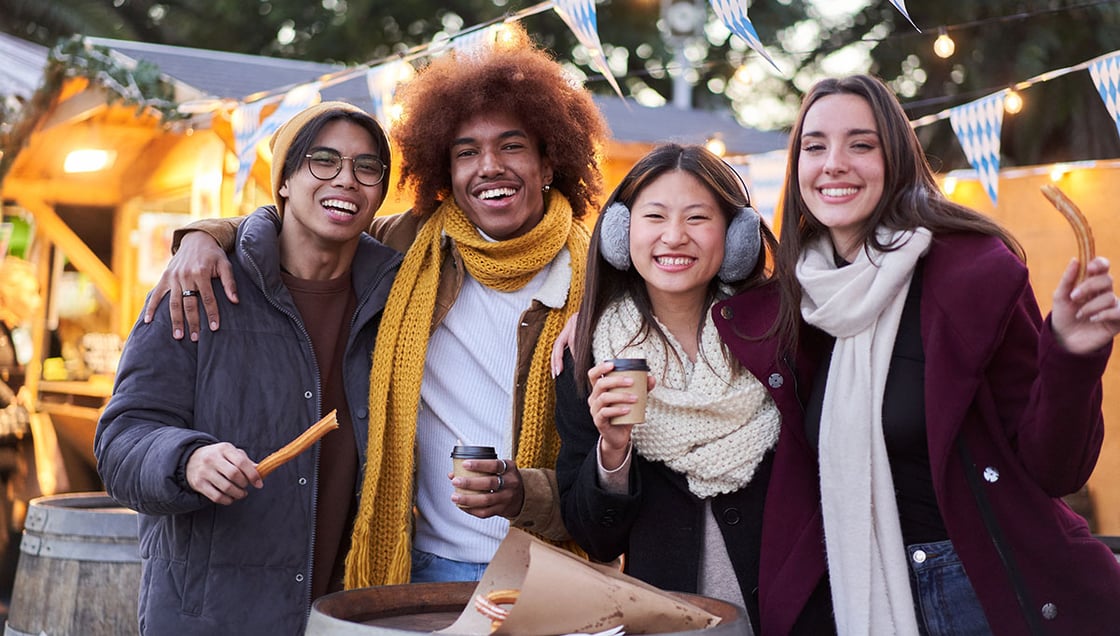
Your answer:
<point x="1049" y="611"/>
<point x="302" y="481"/>
<point x="731" y="516"/>
<point x="919" y="556"/>
<point x="726" y="312"/>
<point x="299" y="578"/>
<point x="307" y="395"/>
<point x="776" y="380"/>
<point x="991" y="475"/>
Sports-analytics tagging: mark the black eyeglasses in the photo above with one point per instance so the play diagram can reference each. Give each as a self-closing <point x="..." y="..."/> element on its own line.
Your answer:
<point x="326" y="163"/>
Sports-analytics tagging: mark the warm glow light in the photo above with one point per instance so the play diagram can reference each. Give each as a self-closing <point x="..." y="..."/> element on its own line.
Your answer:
<point x="944" y="45"/>
<point x="1058" y="171"/>
<point x="716" y="146"/>
<point x="1013" y="102"/>
<point x="88" y="160"/>
<point x="949" y="185"/>
<point x="504" y="35"/>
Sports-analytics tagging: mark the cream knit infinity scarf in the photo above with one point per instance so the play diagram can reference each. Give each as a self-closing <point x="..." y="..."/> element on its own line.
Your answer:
<point x="861" y="305"/>
<point x="705" y="420"/>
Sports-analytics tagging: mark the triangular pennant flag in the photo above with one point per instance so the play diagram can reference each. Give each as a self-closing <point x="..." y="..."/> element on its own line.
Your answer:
<point x="1105" y="72"/>
<point x="471" y="42"/>
<point x="733" y="13"/>
<point x="294" y="101"/>
<point x="978" y="125"/>
<point x="901" y="6"/>
<point x="245" y="122"/>
<point x="382" y="81"/>
<point x="579" y="15"/>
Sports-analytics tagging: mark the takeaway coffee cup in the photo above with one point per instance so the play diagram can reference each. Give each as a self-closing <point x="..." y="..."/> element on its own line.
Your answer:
<point x="636" y="369"/>
<point x="460" y="453"/>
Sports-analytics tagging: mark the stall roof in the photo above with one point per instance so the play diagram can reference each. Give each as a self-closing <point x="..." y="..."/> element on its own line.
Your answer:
<point x="22" y="70"/>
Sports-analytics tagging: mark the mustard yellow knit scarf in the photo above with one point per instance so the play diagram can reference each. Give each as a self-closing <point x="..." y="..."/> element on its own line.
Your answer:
<point x="380" y="552"/>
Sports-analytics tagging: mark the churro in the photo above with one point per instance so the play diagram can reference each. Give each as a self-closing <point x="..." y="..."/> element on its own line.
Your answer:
<point x="299" y="444"/>
<point x="1081" y="229"/>
<point x="490" y="605"/>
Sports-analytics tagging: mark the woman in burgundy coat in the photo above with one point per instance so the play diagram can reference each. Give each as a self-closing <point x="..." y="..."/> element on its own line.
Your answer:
<point x="947" y="418"/>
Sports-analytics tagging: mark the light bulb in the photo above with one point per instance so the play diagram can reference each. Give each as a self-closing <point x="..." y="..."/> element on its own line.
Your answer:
<point x="716" y="146"/>
<point x="1012" y="102"/>
<point x="944" y="45"/>
<point x="949" y="185"/>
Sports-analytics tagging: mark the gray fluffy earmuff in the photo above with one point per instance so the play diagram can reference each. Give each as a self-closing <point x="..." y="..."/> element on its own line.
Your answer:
<point x="614" y="236"/>
<point x="740" y="249"/>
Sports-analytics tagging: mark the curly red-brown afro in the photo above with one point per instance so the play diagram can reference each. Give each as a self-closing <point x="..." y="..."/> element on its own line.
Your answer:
<point x="515" y="78"/>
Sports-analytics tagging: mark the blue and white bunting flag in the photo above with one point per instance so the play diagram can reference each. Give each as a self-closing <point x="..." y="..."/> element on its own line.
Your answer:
<point x="473" y="41"/>
<point x="1105" y="71"/>
<point x="733" y="13"/>
<point x="978" y="125"/>
<point x="293" y="102"/>
<point x="901" y="6"/>
<point x="382" y="81"/>
<point x="579" y="15"/>
<point x="245" y="122"/>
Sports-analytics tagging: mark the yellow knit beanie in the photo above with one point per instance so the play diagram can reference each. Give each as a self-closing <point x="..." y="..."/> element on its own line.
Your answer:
<point x="282" y="140"/>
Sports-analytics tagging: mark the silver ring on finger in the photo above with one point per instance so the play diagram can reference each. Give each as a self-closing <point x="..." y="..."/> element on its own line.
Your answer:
<point x="502" y="471"/>
<point x="187" y="293"/>
<point x="500" y="483"/>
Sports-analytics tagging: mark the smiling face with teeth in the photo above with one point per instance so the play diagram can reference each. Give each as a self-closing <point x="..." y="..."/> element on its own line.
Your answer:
<point x="677" y="232"/>
<point x="324" y="218"/>
<point x="841" y="167"/>
<point x="498" y="171"/>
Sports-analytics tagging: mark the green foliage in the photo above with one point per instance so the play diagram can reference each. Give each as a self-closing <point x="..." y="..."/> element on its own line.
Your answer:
<point x="142" y="85"/>
<point x="1062" y="120"/>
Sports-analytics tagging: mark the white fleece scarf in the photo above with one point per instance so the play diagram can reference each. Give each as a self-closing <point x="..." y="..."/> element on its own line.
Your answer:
<point x="861" y="305"/>
<point x="706" y="420"/>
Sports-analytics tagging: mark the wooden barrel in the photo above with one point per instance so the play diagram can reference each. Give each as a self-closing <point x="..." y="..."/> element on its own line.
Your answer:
<point x="79" y="569"/>
<point x="424" y="608"/>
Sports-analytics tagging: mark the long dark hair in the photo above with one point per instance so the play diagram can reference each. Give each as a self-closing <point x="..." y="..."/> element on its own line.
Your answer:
<point x="605" y="284"/>
<point x="911" y="197"/>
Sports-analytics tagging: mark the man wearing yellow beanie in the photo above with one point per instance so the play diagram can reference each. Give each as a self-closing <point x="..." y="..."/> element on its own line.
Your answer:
<point x="226" y="549"/>
<point x="500" y="149"/>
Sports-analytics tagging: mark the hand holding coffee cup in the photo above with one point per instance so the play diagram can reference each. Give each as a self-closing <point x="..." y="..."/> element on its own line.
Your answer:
<point x="638" y="372"/>
<point x="461" y="453"/>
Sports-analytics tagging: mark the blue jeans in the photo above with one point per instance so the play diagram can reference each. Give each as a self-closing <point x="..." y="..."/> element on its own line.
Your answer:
<point x="943" y="596"/>
<point x="430" y="568"/>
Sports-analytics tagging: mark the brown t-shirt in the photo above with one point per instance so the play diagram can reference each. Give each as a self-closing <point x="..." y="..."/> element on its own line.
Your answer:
<point x="326" y="308"/>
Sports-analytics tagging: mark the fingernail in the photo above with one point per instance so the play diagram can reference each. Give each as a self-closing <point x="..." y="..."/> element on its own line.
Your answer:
<point x="194" y="336"/>
<point x="178" y="334"/>
<point x="214" y="326"/>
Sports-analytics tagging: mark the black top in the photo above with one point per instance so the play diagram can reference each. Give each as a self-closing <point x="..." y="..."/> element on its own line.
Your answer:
<point x="904" y="424"/>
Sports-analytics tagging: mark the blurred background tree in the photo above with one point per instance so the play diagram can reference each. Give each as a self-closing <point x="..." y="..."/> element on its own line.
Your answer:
<point x="998" y="43"/>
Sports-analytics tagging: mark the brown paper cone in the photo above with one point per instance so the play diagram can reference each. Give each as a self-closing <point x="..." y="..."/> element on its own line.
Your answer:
<point x="561" y="594"/>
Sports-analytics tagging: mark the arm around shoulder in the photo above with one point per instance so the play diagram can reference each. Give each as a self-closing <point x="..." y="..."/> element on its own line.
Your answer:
<point x="223" y="231"/>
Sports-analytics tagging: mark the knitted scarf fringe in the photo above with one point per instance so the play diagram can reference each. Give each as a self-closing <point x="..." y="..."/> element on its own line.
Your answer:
<point x="380" y="552"/>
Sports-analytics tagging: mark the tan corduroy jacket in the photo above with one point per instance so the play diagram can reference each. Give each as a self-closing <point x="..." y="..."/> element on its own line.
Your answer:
<point x="540" y="513"/>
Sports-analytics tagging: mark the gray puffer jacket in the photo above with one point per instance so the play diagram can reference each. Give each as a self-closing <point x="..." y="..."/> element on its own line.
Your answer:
<point x="243" y="568"/>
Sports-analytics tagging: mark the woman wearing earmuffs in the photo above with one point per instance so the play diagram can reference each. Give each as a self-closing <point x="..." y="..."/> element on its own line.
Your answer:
<point x="684" y="495"/>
